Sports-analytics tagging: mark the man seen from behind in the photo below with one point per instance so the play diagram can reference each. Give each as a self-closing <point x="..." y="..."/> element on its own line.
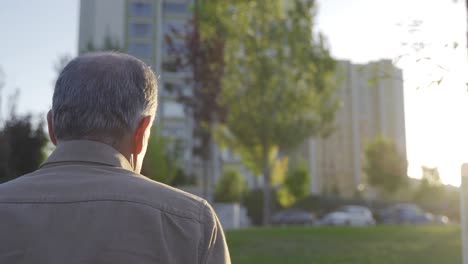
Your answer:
<point x="87" y="203"/>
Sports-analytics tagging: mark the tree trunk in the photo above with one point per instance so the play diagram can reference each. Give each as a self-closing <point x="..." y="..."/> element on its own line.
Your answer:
<point x="266" y="195"/>
<point x="214" y="155"/>
<point x="206" y="177"/>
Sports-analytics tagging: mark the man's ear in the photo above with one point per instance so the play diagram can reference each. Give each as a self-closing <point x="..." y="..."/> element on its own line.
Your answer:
<point x="51" y="128"/>
<point x="140" y="134"/>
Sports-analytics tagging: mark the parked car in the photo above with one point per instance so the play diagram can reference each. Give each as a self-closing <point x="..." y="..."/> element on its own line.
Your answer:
<point x="294" y="217"/>
<point x="349" y="215"/>
<point x="407" y="214"/>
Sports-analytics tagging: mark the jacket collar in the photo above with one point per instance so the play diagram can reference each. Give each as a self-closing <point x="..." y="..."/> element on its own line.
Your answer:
<point x="86" y="151"/>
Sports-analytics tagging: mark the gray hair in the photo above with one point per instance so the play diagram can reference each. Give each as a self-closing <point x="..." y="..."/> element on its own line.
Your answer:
<point x="102" y="96"/>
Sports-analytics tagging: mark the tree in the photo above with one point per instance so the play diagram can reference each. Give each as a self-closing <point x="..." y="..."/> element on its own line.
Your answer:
<point x="278" y="83"/>
<point x="384" y="166"/>
<point x="22" y="144"/>
<point x="230" y="187"/>
<point x="430" y="189"/>
<point x="295" y="187"/>
<point x="253" y="202"/>
<point x="202" y="52"/>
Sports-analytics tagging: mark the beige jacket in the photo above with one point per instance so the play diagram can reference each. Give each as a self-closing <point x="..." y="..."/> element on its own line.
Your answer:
<point x="85" y="205"/>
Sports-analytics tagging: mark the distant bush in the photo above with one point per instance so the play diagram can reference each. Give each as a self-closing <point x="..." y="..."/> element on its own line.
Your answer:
<point x="159" y="164"/>
<point x="230" y="187"/>
<point x="295" y="187"/>
<point x="182" y="179"/>
<point x="162" y="161"/>
<point x="253" y="201"/>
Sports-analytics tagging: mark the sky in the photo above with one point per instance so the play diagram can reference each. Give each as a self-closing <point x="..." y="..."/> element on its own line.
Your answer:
<point x="36" y="33"/>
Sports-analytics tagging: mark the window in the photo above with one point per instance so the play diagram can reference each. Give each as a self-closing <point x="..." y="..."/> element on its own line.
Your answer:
<point x="173" y="110"/>
<point x="141" y="9"/>
<point x="178" y="8"/>
<point x="140" y="30"/>
<point x="141" y="50"/>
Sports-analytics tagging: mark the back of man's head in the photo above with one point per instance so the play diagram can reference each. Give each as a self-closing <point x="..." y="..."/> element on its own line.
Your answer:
<point x="102" y="96"/>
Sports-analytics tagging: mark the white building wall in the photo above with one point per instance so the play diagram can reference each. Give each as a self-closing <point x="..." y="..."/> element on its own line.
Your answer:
<point x="400" y="134"/>
<point x="355" y="123"/>
<point x="112" y="14"/>
<point x="87" y="22"/>
<point x="99" y="19"/>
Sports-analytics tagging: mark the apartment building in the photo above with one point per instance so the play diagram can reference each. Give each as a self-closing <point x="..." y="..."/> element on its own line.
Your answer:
<point x="372" y="105"/>
<point x="139" y="27"/>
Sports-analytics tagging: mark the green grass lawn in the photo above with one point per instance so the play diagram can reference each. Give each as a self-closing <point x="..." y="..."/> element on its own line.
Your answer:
<point x="346" y="245"/>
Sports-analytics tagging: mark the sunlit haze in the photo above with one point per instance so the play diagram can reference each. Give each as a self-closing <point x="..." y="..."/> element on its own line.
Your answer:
<point x="36" y="33"/>
<point x="369" y="30"/>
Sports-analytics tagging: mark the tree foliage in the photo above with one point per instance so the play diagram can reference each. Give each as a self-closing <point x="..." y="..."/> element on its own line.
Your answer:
<point x="253" y="202"/>
<point x="295" y="187"/>
<point x="21" y="147"/>
<point x="278" y="82"/>
<point x="230" y="187"/>
<point x="199" y="48"/>
<point x="430" y="189"/>
<point x="384" y="166"/>
<point x="22" y="140"/>
<point x="162" y="162"/>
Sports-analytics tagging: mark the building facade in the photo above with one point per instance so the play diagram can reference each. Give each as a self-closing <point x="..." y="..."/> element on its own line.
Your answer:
<point x="372" y="105"/>
<point x="139" y="27"/>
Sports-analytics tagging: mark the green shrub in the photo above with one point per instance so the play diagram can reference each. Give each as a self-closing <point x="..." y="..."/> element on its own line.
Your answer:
<point x="295" y="187"/>
<point x="181" y="179"/>
<point x="230" y="187"/>
<point x="253" y="201"/>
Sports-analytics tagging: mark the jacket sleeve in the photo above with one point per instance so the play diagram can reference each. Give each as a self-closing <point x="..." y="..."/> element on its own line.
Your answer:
<point x="213" y="247"/>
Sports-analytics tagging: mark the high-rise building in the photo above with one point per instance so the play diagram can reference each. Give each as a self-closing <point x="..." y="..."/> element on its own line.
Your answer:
<point x="372" y="105"/>
<point x="140" y="27"/>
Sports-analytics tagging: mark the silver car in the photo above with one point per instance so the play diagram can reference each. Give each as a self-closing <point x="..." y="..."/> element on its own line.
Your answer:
<point x="351" y="215"/>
